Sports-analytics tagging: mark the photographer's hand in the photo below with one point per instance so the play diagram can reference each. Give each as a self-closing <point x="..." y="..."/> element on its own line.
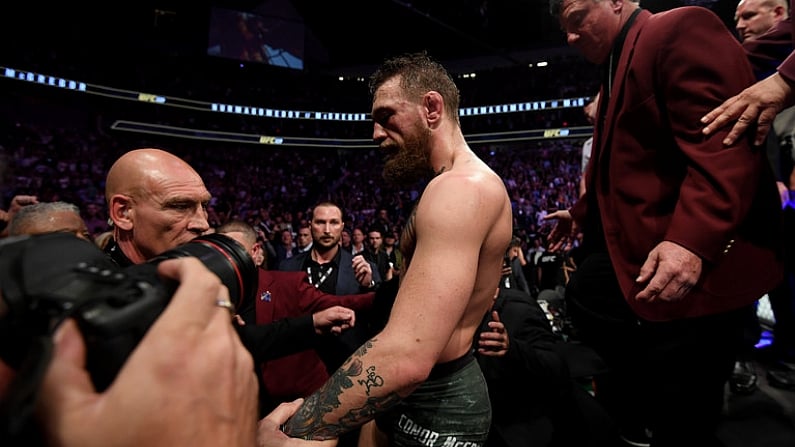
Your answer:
<point x="190" y="382"/>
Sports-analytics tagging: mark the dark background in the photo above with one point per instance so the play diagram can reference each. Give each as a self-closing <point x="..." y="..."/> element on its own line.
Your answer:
<point x="338" y="34"/>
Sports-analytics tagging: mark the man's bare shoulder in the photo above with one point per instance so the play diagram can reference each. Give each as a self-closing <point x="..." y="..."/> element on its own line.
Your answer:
<point x="470" y="188"/>
<point x="473" y="172"/>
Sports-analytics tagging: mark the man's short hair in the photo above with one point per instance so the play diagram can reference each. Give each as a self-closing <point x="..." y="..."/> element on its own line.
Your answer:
<point x="29" y="215"/>
<point x="239" y="226"/>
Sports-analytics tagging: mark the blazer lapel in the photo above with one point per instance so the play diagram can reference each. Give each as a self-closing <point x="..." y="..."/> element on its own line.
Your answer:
<point x="615" y="99"/>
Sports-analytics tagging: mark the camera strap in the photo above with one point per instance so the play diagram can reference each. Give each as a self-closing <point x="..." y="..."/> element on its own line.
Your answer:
<point x="16" y="410"/>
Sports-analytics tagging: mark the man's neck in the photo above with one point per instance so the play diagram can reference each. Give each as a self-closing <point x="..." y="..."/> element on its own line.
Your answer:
<point x="128" y="248"/>
<point x="114" y="250"/>
<point x="323" y="257"/>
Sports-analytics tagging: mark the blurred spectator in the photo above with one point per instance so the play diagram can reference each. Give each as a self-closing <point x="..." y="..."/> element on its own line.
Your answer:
<point x="49" y="217"/>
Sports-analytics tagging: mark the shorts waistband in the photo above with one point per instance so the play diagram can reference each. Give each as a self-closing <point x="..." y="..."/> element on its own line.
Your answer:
<point x="447" y="368"/>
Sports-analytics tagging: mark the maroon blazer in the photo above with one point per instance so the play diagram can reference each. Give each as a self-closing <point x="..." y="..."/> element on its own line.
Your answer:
<point x="288" y="294"/>
<point x="767" y="51"/>
<point x="787" y="68"/>
<point x="656" y="177"/>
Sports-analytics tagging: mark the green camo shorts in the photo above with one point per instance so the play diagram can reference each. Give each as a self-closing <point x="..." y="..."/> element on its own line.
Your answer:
<point x="450" y="409"/>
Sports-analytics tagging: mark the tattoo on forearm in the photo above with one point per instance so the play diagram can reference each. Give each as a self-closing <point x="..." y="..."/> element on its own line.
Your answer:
<point x="308" y="422"/>
<point x="371" y="379"/>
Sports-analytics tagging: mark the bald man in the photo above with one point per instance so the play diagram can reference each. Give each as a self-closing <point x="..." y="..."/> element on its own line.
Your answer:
<point x="156" y="201"/>
<point x="49" y="217"/>
<point x="755" y="17"/>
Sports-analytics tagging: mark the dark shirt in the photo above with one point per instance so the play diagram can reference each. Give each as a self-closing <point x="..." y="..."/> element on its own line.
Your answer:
<point x="113" y="250"/>
<point x="379" y="258"/>
<point x="323" y="276"/>
<point x="550" y="264"/>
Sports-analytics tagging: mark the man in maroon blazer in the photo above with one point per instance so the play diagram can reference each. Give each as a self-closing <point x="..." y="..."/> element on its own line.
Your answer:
<point x="679" y="230"/>
<point x="769" y="103"/>
<point x="294" y="369"/>
<point x="289" y="294"/>
<point x="755" y="107"/>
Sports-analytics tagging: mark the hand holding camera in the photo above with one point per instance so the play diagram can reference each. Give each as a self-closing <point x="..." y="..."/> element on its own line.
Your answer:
<point x="113" y="307"/>
<point x="192" y="346"/>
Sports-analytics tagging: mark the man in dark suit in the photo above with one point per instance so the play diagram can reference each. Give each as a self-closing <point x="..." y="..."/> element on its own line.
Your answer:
<point x="680" y="230"/>
<point x="337" y="272"/>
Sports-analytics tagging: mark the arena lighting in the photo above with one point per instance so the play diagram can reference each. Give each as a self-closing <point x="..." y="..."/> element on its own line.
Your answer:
<point x="258" y="111"/>
<point x="336" y="143"/>
<point x="237" y="137"/>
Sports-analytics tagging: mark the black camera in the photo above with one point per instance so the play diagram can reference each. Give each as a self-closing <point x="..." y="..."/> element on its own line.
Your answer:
<point x="47" y="278"/>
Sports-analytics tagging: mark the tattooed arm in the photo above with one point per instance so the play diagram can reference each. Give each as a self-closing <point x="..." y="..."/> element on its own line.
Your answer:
<point x="327" y="400"/>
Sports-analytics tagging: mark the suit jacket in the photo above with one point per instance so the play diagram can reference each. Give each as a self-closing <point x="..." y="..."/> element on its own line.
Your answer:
<point x="282" y="295"/>
<point x="346" y="278"/>
<point x="770" y="49"/>
<point x="656" y="177"/>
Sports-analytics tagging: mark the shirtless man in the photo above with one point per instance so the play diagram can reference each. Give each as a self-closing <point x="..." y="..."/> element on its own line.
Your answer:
<point x="417" y="378"/>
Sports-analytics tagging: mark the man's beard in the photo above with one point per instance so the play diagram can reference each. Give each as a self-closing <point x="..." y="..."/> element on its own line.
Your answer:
<point x="411" y="162"/>
<point x="324" y="247"/>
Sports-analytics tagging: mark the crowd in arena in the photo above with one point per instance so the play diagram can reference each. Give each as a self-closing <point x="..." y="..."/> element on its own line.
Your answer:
<point x="68" y="161"/>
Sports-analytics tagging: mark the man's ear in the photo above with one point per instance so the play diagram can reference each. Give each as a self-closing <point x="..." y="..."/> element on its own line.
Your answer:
<point x="120" y="211"/>
<point x="434" y="104"/>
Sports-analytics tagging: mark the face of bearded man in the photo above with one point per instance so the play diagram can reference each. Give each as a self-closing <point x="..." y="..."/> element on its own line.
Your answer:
<point x="410" y="163"/>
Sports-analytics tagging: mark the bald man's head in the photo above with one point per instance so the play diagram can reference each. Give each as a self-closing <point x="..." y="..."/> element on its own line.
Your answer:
<point x="134" y="171"/>
<point x="755" y="17"/>
<point x="156" y="201"/>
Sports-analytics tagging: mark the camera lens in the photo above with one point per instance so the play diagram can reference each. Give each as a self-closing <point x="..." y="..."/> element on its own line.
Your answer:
<point x="226" y="258"/>
<point x="46" y="278"/>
